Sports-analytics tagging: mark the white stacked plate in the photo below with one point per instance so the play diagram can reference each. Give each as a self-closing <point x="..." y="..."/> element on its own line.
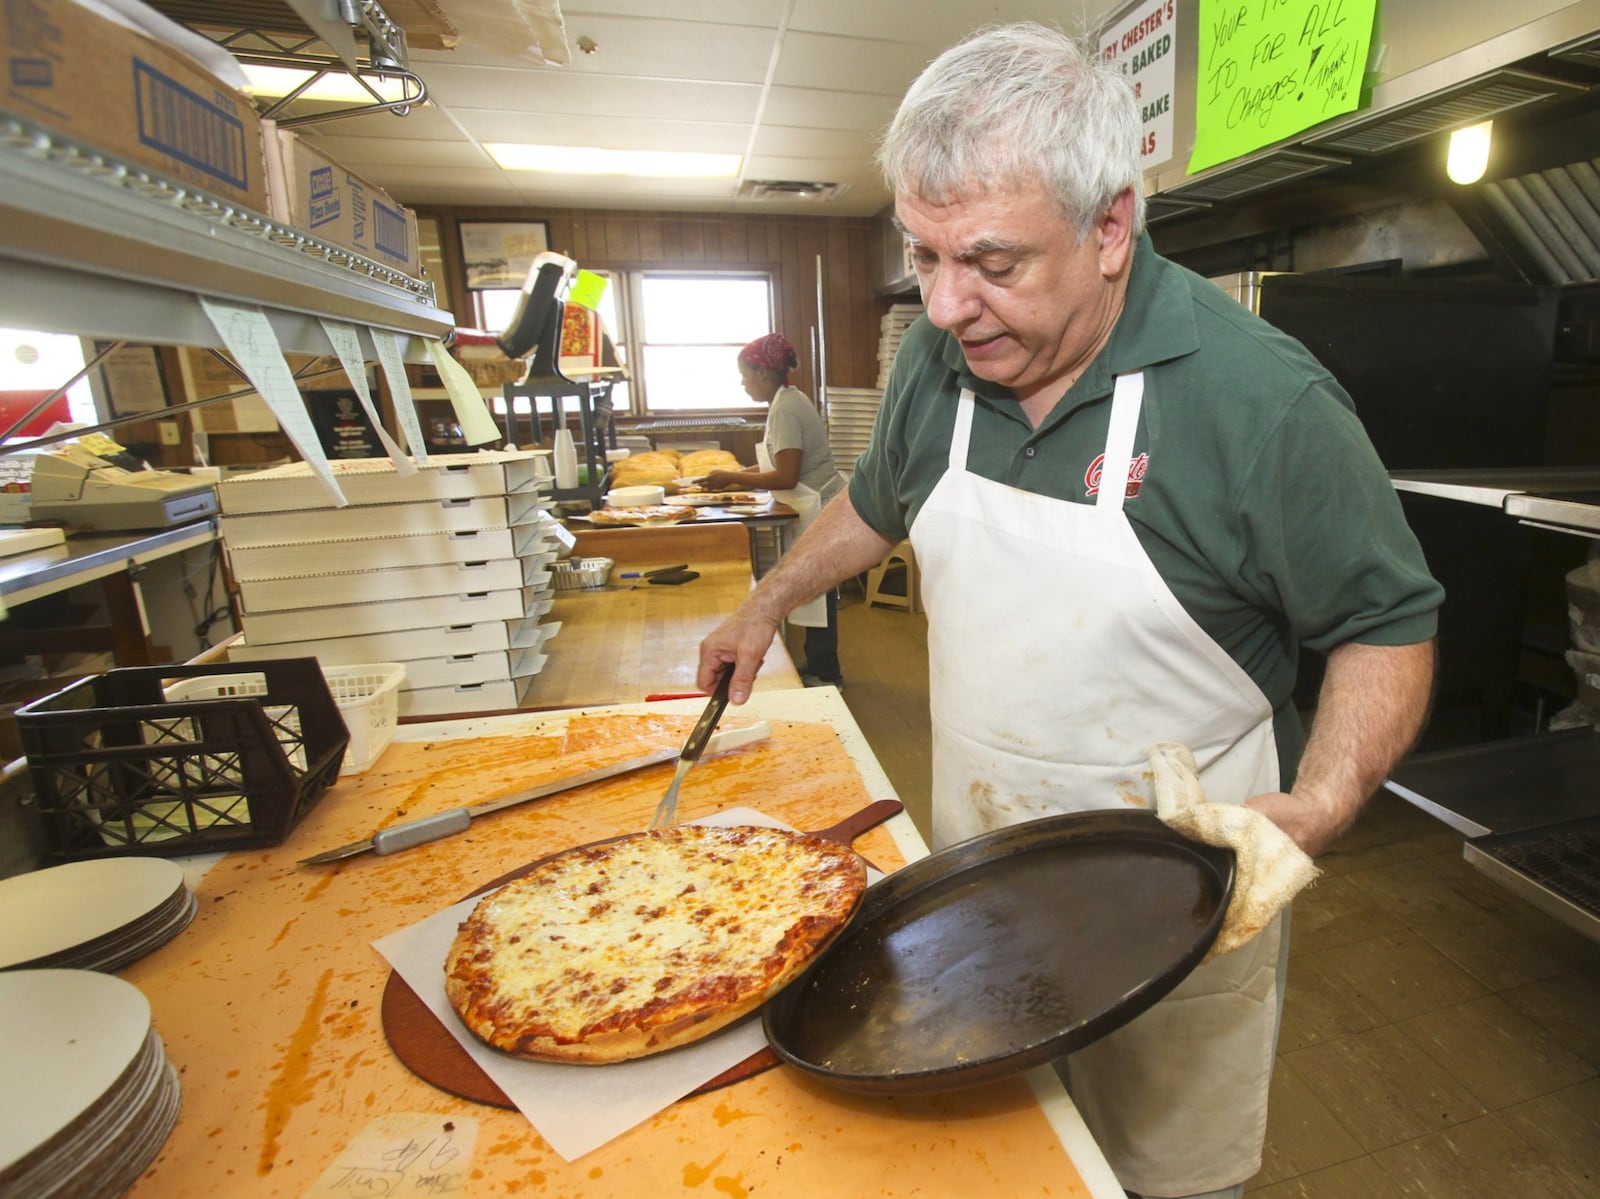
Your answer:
<point x="87" y="1097"/>
<point x="93" y="915"/>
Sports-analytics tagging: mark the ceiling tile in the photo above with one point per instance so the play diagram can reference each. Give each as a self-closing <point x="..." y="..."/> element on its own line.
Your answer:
<point x="422" y="175"/>
<point x="765" y="13"/>
<point x="791" y="142"/>
<point x="427" y="123"/>
<point x="939" y="23"/>
<point x="817" y="60"/>
<point x="560" y="92"/>
<point x="816" y="109"/>
<point x="644" y="48"/>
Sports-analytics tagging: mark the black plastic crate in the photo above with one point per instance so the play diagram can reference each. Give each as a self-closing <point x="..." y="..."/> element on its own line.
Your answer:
<point x="118" y="767"/>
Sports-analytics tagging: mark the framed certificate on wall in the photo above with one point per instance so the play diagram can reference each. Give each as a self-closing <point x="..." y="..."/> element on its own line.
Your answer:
<point x="498" y="254"/>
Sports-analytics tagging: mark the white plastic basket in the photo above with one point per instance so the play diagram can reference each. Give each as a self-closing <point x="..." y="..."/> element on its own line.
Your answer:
<point x="368" y="696"/>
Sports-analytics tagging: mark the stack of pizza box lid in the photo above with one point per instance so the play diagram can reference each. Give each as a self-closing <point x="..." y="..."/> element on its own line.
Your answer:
<point x="851" y="411"/>
<point x="446" y="571"/>
<point x="891" y="329"/>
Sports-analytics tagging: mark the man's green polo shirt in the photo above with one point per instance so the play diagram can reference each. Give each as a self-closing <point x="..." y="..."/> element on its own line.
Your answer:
<point x="1260" y="499"/>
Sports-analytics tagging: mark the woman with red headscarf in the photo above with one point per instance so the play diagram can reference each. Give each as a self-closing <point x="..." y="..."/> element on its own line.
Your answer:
<point x="796" y="465"/>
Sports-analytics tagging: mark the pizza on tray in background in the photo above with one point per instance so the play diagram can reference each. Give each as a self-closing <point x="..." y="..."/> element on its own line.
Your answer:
<point x="653" y="514"/>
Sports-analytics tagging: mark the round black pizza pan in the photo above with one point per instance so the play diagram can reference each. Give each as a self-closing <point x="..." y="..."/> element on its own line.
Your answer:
<point x="1004" y="952"/>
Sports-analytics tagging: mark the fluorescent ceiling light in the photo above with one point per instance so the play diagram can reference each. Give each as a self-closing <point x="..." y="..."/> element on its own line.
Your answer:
<point x="336" y="85"/>
<point x="1469" y="153"/>
<point x="591" y="160"/>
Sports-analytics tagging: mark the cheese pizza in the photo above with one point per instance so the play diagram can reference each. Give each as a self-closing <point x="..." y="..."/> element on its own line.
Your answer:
<point x="630" y="947"/>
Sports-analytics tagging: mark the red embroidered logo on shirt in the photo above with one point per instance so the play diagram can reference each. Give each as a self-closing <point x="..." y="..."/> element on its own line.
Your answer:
<point x="1136" y="472"/>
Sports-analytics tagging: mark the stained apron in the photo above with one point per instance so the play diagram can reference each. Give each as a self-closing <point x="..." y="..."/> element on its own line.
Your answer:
<point x="1057" y="657"/>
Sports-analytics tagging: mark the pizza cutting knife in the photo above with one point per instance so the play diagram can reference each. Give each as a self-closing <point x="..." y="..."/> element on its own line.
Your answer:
<point x="447" y="824"/>
<point x="700" y="739"/>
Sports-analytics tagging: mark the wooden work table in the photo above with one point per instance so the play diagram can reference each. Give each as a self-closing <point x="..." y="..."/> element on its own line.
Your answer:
<point x="271" y="1002"/>
<point x="634" y="638"/>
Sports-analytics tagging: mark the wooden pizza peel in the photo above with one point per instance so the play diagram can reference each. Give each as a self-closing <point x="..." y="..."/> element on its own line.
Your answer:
<point x="429" y="1050"/>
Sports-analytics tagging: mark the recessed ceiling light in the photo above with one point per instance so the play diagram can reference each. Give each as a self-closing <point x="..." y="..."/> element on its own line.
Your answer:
<point x="592" y="160"/>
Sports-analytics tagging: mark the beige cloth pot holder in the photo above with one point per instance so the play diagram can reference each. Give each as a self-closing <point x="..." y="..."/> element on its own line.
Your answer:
<point x="1270" y="868"/>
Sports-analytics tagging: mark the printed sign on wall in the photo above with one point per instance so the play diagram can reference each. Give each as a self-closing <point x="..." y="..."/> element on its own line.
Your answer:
<point x="1269" y="68"/>
<point x="1144" y="44"/>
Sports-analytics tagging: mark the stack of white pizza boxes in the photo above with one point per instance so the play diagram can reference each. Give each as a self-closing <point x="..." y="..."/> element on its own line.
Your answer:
<point x="446" y="571"/>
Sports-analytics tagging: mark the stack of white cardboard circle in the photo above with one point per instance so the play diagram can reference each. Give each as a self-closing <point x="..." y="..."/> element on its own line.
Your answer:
<point x="93" y="915"/>
<point x="87" y="1096"/>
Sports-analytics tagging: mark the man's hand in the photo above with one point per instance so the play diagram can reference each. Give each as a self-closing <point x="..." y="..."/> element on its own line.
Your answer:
<point x="743" y="639"/>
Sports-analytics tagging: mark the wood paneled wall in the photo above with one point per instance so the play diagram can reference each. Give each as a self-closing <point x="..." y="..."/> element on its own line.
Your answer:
<point x="850" y="250"/>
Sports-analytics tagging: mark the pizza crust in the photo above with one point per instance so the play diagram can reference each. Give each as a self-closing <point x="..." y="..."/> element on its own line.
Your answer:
<point x="655" y="940"/>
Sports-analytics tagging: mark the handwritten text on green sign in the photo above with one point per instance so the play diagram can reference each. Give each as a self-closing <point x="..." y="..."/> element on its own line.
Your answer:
<point x="1268" y="69"/>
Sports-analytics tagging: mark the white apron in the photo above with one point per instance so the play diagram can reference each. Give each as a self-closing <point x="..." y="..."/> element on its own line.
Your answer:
<point x="1057" y="657"/>
<point x="807" y="502"/>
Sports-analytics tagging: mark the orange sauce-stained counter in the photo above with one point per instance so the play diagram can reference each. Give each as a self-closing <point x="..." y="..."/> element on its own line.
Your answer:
<point x="269" y="1003"/>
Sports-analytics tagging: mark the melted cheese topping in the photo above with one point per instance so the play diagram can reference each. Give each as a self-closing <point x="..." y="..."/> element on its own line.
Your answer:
<point x="651" y="927"/>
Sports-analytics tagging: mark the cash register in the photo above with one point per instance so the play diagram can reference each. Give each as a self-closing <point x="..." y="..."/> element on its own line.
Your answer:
<point x="85" y="487"/>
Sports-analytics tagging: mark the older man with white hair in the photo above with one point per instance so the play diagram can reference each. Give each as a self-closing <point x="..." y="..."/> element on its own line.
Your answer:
<point x="1132" y="503"/>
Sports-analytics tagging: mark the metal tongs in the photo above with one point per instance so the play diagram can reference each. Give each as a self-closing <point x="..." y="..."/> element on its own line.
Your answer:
<point x="667" y="809"/>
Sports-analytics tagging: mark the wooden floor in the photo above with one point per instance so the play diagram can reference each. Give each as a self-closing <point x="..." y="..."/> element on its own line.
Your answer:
<point x="1441" y="1038"/>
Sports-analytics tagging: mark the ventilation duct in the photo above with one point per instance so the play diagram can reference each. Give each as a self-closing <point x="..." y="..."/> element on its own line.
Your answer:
<point x="1451" y="108"/>
<point x="1584" y="51"/>
<point x="1553" y="217"/>
<point x="789" y="189"/>
<point x="1253" y="174"/>
<point x="1164" y="207"/>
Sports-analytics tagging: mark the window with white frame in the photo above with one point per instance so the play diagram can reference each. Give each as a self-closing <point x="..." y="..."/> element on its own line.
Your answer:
<point x="34" y="364"/>
<point x="689" y="329"/>
<point x="679" y="332"/>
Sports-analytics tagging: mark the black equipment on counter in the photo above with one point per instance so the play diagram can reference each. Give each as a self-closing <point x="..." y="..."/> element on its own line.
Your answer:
<point x="536" y="325"/>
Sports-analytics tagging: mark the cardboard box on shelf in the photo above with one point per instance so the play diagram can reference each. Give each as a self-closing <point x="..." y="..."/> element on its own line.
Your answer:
<point x="312" y="192"/>
<point x="77" y="72"/>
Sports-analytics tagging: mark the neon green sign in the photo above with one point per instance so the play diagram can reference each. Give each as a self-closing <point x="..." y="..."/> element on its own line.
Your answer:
<point x="1269" y="68"/>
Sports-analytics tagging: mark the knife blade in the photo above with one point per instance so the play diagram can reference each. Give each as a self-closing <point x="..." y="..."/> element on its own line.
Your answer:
<point x="699" y="740"/>
<point x="456" y="820"/>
